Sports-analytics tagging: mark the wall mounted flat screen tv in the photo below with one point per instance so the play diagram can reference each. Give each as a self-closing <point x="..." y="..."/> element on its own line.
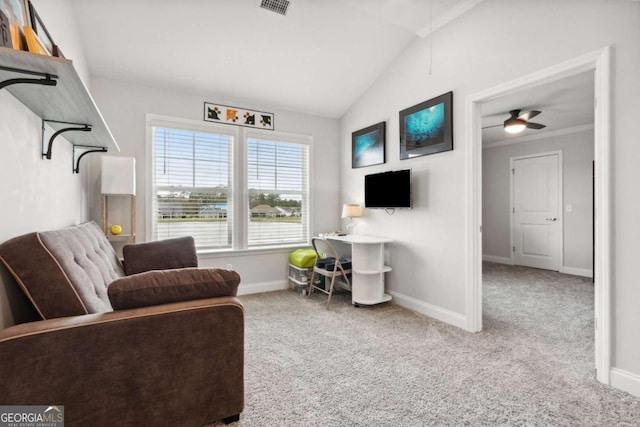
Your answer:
<point x="388" y="189"/>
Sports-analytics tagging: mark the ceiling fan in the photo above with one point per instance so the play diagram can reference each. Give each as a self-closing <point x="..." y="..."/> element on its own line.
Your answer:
<point x="519" y="122"/>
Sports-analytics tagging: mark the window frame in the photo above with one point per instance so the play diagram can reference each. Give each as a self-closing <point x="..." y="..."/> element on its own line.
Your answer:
<point x="188" y="126"/>
<point x="284" y="138"/>
<point x="240" y="190"/>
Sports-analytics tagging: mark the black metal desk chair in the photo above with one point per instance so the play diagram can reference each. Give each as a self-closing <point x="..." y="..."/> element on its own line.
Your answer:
<point x="325" y="250"/>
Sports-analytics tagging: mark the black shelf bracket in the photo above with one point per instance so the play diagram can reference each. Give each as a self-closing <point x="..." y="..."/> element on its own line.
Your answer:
<point x="80" y="127"/>
<point x="47" y="80"/>
<point x="85" y="150"/>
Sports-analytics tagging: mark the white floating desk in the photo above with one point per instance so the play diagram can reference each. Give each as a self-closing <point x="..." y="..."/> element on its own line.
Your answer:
<point x="367" y="268"/>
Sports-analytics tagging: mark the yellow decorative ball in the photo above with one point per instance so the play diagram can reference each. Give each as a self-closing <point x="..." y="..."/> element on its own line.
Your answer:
<point x="116" y="229"/>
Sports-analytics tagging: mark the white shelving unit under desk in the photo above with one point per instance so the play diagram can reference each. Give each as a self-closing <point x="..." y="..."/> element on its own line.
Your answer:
<point x="367" y="267"/>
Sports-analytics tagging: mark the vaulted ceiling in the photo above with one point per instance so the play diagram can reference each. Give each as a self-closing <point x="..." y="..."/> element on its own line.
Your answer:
<point x="317" y="59"/>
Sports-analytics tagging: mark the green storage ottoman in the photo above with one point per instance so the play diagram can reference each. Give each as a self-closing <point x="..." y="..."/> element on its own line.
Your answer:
<point x="303" y="258"/>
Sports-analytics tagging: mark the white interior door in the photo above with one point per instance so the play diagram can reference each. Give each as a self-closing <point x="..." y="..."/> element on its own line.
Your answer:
<point x="536" y="211"/>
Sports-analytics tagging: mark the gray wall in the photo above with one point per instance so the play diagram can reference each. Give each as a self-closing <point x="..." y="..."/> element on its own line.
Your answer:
<point x="36" y="194"/>
<point x="480" y="50"/>
<point x="124" y="106"/>
<point x="577" y="155"/>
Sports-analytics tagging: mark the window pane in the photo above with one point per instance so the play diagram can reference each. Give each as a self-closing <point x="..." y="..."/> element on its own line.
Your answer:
<point x="277" y="177"/>
<point x="193" y="188"/>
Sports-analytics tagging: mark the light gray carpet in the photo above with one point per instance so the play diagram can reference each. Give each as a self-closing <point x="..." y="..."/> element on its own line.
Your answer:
<point x="386" y="366"/>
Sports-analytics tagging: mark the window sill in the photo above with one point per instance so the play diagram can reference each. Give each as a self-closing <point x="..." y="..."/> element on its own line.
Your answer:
<point x="224" y="253"/>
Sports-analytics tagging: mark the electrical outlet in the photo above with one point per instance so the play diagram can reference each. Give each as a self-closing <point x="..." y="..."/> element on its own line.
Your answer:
<point x="229" y="266"/>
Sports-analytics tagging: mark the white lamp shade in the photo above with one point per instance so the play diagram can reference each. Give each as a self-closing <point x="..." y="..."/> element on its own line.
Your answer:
<point x="351" y="211"/>
<point x="118" y="175"/>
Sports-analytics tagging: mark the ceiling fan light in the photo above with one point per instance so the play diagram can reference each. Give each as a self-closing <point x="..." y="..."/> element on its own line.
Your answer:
<point x="514" y="125"/>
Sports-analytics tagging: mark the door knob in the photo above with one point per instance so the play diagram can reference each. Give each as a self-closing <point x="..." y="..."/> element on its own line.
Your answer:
<point x="551" y="219"/>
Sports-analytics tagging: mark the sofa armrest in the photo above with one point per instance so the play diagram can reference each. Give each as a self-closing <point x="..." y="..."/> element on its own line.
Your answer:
<point x="179" y="252"/>
<point x="167" y="286"/>
<point x="174" y="364"/>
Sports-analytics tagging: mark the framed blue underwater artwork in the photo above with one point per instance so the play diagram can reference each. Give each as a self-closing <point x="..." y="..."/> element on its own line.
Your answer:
<point x="367" y="146"/>
<point x="427" y="128"/>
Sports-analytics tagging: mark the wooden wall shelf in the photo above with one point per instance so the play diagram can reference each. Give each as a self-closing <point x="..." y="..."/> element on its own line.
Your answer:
<point x="68" y="101"/>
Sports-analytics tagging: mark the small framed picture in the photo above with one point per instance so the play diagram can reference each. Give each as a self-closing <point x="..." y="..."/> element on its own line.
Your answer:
<point x="427" y="128"/>
<point x="367" y="146"/>
<point x="5" y="31"/>
<point x="40" y="29"/>
<point x="238" y="116"/>
<point x="16" y="11"/>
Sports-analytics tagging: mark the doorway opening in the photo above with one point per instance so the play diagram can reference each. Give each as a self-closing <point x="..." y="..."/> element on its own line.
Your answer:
<point x="599" y="63"/>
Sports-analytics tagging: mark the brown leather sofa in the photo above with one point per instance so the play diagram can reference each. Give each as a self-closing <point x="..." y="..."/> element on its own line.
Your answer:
<point x="155" y="347"/>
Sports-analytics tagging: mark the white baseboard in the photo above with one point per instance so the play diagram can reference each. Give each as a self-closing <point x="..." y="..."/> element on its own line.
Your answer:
<point x="566" y="270"/>
<point x="498" y="259"/>
<point x="576" y="271"/>
<point x="430" y="310"/>
<point x="625" y="381"/>
<point x="256" y="288"/>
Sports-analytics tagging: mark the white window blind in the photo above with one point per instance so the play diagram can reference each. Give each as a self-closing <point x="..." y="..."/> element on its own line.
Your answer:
<point x="192" y="186"/>
<point x="278" y="187"/>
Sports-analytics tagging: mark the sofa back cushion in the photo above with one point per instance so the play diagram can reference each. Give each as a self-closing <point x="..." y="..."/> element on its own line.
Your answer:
<point x="64" y="272"/>
<point x="179" y="252"/>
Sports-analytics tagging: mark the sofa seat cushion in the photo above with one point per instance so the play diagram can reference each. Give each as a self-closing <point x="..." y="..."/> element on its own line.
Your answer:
<point x="168" y="286"/>
<point x="65" y="272"/>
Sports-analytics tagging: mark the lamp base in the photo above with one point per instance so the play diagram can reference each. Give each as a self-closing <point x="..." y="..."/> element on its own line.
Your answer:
<point x="351" y="228"/>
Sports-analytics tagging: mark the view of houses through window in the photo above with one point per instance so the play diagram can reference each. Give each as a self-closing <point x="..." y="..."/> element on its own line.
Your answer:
<point x="192" y="186"/>
<point x="193" y="192"/>
<point x="277" y="175"/>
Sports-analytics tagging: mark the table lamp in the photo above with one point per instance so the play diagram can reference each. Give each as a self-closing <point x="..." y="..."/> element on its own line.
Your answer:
<point x="351" y="211"/>
<point x="118" y="175"/>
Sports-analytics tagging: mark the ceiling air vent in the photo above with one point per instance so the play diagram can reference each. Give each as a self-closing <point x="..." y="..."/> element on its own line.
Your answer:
<point x="278" y="6"/>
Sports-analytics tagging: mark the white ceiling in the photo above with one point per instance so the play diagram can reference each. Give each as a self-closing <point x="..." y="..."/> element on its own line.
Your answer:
<point x="318" y="59"/>
<point x="564" y="104"/>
